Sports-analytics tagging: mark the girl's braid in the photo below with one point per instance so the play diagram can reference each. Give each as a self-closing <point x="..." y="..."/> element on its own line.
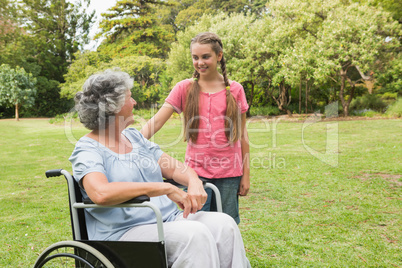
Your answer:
<point x="196" y="74"/>
<point x="223" y="68"/>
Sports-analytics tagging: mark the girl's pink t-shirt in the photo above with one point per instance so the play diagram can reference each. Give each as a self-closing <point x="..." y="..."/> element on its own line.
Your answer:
<point x="212" y="156"/>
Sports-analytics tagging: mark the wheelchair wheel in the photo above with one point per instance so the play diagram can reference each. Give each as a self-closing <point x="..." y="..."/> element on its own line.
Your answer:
<point x="72" y="254"/>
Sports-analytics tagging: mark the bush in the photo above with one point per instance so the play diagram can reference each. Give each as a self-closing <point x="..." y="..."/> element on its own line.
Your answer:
<point x="369" y="101"/>
<point x="395" y="109"/>
<point x="264" y="111"/>
<point x="389" y="96"/>
<point x="60" y="118"/>
<point x="138" y="113"/>
<point x="146" y="113"/>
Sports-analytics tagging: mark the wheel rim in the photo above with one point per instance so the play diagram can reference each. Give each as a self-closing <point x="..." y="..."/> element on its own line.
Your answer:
<point x="65" y="260"/>
<point x="72" y="254"/>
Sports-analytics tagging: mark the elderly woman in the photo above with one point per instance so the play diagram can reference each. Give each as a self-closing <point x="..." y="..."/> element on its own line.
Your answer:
<point x="113" y="164"/>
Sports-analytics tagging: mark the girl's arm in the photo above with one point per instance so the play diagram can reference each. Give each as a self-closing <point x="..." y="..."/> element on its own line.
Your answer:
<point x="245" y="151"/>
<point x="157" y="121"/>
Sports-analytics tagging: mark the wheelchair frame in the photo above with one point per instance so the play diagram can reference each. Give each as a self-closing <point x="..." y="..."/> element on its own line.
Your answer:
<point x="108" y="254"/>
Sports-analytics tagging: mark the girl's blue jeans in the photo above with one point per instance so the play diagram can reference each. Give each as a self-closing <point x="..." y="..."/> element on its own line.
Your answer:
<point x="228" y="187"/>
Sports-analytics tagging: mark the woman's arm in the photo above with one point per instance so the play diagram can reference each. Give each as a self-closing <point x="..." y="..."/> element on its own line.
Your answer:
<point x="184" y="175"/>
<point x="245" y="151"/>
<point x="157" y="121"/>
<point x="103" y="192"/>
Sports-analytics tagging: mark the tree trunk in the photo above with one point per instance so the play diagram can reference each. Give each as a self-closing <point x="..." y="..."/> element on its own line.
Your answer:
<point x="17" y="116"/>
<point x="300" y="98"/>
<point x="248" y="113"/>
<point x="352" y="92"/>
<point x="306" y="96"/>
<point x="345" y="107"/>
<point x="282" y="100"/>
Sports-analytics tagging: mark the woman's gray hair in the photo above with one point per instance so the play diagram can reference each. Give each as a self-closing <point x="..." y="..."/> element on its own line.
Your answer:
<point x="102" y="96"/>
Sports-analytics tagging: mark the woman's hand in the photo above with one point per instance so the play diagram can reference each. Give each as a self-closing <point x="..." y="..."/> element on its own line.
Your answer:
<point x="182" y="199"/>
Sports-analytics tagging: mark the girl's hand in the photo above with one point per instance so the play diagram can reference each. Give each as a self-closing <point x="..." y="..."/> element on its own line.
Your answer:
<point x="244" y="185"/>
<point x="197" y="194"/>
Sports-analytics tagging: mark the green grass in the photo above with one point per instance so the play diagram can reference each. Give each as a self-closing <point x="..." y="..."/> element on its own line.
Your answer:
<point x="300" y="212"/>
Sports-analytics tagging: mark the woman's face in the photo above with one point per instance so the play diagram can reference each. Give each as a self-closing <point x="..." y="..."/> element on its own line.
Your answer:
<point x="126" y="111"/>
<point x="205" y="60"/>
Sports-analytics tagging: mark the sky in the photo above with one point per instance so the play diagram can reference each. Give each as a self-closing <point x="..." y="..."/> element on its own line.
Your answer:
<point x="99" y="6"/>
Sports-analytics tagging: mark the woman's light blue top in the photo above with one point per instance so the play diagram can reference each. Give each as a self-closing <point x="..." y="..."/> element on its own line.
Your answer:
<point x="140" y="165"/>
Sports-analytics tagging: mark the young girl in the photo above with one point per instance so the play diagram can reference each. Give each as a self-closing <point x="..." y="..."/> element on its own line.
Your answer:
<point x="215" y="124"/>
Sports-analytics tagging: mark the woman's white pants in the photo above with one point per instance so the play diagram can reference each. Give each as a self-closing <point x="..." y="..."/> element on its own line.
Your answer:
<point x="204" y="239"/>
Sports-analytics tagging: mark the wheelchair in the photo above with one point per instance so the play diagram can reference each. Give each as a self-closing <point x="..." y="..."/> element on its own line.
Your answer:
<point x="84" y="253"/>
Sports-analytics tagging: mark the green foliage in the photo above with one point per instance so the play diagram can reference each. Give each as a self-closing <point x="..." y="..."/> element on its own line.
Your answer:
<point x="51" y="103"/>
<point x="84" y="65"/>
<point x="366" y="113"/>
<point x="146" y="73"/>
<point x="190" y="13"/>
<point x="264" y="111"/>
<point x="136" y="42"/>
<point x="145" y="70"/>
<point x="389" y="79"/>
<point x="388" y="96"/>
<point x="271" y="46"/>
<point x="57" y="28"/>
<point x="395" y="109"/>
<point x="61" y="118"/>
<point x="392" y="6"/>
<point x="165" y="85"/>
<point x="45" y="35"/>
<point x="10" y="33"/>
<point x="17" y="88"/>
<point x="331" y="40"/>
<point x="134" y="28"/>
<point x="368" y="101"/>
<point x="184" y="13"/>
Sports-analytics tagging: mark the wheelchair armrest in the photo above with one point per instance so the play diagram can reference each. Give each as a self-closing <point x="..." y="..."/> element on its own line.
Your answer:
<point x="136" y="200"/>
<point x="171" y="181"/>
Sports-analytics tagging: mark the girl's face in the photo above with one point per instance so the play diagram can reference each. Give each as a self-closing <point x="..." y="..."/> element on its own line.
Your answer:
<point x="205" y="60"/>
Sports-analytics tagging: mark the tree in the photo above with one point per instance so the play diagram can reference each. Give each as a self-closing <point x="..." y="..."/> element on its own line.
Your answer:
<point x="52" y="31"/>
<point x="145" y="70"/>
<point x="392" y="6"/>
<point x="132" y="27"/>
<point x="135" y="41"/>
<point x="85" y="64"/>
<point x="12" y="47"/>
<point x="352" y="46"/>
<point x="17" y="88"/>
<point x="56" y="30"/>
<point x="184" y="13"/>
<point x="189" y="12"/>
<point x="390" y="79"/>
<point x="343" y="42"/>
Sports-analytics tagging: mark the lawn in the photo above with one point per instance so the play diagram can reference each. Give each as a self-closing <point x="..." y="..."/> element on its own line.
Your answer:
<point x="313" y="202"/>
